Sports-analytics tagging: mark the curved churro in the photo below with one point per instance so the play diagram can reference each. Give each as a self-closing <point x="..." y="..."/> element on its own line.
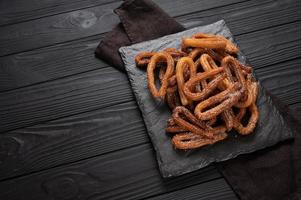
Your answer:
<point x="226" y="99"/>
<point x="191" y="123"/>
<point x="142" y="59"/>
<point x="191" y="84"/>
<point x="168" y="73"/>
<point x="230" y="47"/>
<point x="185" y="61"/>
<point x="189" y="140"/>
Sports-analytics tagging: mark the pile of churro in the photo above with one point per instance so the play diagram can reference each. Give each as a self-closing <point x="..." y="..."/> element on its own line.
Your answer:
<point x="208" y="90"/>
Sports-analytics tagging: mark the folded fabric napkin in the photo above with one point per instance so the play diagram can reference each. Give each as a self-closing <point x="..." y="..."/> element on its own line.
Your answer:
<point x="272" y="173"/>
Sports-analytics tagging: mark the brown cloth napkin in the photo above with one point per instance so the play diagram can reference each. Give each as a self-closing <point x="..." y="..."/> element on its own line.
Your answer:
<point x="140" y="21"/>
<point x="272" y="173"/>
<point x="269" y="174"/>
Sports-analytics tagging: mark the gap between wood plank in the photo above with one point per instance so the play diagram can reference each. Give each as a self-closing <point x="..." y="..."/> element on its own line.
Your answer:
<point x="183" y="188"/>
<point x="72" y="162"/>
<point x="213" y="8"/>
<point x="55" y="79"/>
<point x="270" y="27"/>
<point x="72" y="10"/>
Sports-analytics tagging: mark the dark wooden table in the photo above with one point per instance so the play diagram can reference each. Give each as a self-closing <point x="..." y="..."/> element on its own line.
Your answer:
<point x="70" y="127"/>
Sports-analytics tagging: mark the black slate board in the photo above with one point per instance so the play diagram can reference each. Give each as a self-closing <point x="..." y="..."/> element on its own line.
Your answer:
<point x="271" y="127"/>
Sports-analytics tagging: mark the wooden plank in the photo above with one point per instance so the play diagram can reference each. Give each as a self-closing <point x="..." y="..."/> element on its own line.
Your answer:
<point x="216" y="189"/>
<point x="70" y="139"/>
<point x="277" y="44"/>
<point x="58" y="61"/>
<point x="75" y="137"/>
<point x="240" y="17"/>
<point x="49" y="63"/>
<point x="58" y="28"/>
<point x="14" y="11"/>
<point x="78" y="24"/>
<point x="177" y="8"/>
<point x="283" y="80"/>
<point x="112" y="176"/>
<point x="64" y="97"/>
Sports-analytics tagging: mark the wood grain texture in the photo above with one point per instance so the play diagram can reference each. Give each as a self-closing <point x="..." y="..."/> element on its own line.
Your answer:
<point x="215" y="189"/>
<point x="240" y="17"/>
<point x="49" y="63"/>
<point x="273" y="45"/>
<point x="177" y="8"/>
<point x="283" y="80"/>
<point x="89" y="134"/>
<point x="16" y="11"/>
<point x="112" y="176"/>
<point x="90" y="120"/>
<point x="64" y="97"/>
<point x="70" y="139"/>
<point x="58" y="28"/>
<point x="81" y="23"/>
<point x="58" y="61"/>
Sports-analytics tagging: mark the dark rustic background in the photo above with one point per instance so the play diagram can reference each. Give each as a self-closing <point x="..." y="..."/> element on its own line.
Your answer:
<point x="69" y="124"/>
